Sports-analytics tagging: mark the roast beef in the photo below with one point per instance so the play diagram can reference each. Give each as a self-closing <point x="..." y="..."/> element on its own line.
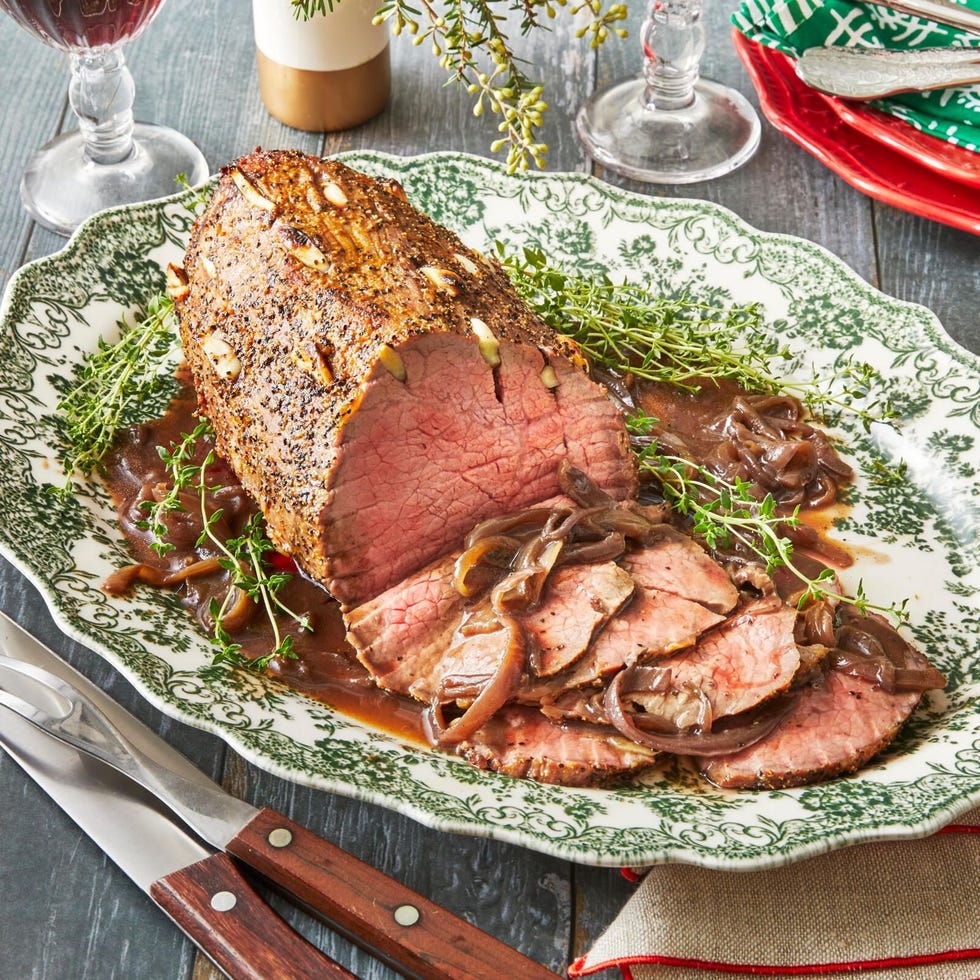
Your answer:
<point x="520" y="741"/>
<point x="843" y="716"/>
<point x="414" y="636"/>
<point x="377" y="386"/>
<point x="750" y="658"/>
<point x="380" y="390"/>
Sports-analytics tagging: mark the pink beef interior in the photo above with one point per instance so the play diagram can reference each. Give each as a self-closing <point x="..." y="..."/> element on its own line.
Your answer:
<point x="423" y="460"/>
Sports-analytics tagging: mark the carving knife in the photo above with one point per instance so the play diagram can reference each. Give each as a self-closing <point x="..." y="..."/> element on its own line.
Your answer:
<point x="202" y="891"/>
<point x="389" y="920"/>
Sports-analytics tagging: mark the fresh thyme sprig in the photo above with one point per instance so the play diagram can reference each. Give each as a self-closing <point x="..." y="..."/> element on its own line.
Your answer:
<point x="469" y="38"/>
<point x="724" y="514"/>
<point x="628" y="328"/>
<point x="244" y="557"/>
<point x="114" y="380"/>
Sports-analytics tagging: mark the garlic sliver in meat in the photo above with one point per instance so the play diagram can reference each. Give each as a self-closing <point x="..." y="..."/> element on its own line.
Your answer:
<point x="208" y="266"/>
<point x="177" y="286"/>
<point x="391" y="361"/>
<point x="442" y="279"/>
<point x="223" y="359"/>
<point x="249" y="191"/>
<point x="310" y="255"/>
<point x="335" y="194"/>
<point x="467" y="263"/>
<point x="548" y="377"/>
<point x="489" y="345"/>
<point x="313" y="362"/>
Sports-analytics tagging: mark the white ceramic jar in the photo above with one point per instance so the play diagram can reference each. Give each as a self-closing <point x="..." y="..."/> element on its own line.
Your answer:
<point x="329" y="73"/>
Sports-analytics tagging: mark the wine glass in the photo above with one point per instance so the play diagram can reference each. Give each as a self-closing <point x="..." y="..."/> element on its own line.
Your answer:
<point x="110" y="159"/>
<point x="669" y="126"/>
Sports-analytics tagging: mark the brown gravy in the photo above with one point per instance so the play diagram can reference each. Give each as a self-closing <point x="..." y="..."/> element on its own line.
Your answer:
<point x="325" y="667"/>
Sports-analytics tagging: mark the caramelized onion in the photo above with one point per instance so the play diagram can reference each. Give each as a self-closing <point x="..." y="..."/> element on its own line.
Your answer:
<point x="729" y="735"/>
<point x="123" y="579"/>
<point x="482" y="550"/>
<point x="862" y="653"/>
<point x="525" y="547"/>
<point x="816" y="625"/>
<point x="580" y="488"/>
<point x="497" y="691"/>
<point x="522" y="588"/>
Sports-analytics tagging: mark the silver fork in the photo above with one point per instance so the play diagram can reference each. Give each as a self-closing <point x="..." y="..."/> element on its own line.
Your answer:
<point x="61" y="710"/>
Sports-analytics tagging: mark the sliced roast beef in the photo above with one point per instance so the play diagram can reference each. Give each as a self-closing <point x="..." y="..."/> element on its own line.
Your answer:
<point x="377" y="386"/>
<point x="748" y="659"/>
<point x="742" y="663"/>
<point x="579" y="601"/>
<point x="653" y="625"/>
<point x="680" y="592"/>
<point x="408" y="627"/>
<point x="837" y="724"/>
<point x="677" y="564"/>
<point x="421" y="638"/>
<point x="522" y="742"/>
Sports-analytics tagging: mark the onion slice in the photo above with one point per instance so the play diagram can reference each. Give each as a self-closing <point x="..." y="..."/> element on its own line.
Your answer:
<point x="729" y="735"/>
<point x="495" y="693"/>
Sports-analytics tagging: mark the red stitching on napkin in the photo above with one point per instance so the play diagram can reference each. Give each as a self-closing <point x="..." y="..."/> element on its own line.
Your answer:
<point x="578" y="968"/>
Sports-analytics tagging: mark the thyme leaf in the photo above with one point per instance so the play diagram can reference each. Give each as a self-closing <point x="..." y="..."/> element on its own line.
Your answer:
<point x="115" y="379"/>
<point x="243" y="557"/>
<point x="724" y="514"/>
<point x="629" y="329"/>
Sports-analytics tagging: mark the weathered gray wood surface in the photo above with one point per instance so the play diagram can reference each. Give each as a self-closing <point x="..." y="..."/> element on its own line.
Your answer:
<point x="65" y="911"/>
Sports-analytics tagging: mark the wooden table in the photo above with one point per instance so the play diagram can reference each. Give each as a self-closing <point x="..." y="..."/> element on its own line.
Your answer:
<point x="66" y="912"/>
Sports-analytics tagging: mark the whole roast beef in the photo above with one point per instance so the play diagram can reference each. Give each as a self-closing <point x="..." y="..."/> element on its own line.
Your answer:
<point x="377" y="386"/>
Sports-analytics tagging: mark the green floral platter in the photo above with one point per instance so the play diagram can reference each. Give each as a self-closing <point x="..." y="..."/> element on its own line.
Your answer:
<point x="919" y="539"/>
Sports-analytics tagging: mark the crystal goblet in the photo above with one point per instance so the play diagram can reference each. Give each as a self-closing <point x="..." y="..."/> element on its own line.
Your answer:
<point x="669" y="125"/>
<point x="110" y="159"/>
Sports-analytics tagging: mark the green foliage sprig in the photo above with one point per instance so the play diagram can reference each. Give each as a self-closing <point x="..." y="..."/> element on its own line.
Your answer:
<point x="469" y="38"/>
<point x="725" y="514"/>
<point x="114" y="379"/>
<point x="628" y="328"/>
<point x="244" y="557"/>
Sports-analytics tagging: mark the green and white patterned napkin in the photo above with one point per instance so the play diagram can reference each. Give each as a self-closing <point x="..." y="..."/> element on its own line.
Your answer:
<point x="792" y="26"/>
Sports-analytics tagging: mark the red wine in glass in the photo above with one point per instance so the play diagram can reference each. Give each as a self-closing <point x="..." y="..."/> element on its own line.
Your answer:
<point x="110" y="159"/>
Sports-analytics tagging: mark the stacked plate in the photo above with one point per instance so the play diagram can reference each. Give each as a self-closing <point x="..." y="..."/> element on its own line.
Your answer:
<point x="878" y="154"/>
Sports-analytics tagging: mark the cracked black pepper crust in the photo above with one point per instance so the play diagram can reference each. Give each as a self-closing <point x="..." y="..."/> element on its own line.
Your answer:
<point x="313" y="274"/>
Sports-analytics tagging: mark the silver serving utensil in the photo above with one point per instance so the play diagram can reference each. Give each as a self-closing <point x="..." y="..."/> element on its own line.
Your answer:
<point x="201" y="890"/>
<point x="396" y="924"/>
<point x="942" y="11"/>
<point x="874" y="73"/>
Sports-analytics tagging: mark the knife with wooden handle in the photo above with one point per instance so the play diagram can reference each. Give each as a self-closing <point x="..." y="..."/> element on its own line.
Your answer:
<point x="389" y="920"/>
<point x="202" y="891"/>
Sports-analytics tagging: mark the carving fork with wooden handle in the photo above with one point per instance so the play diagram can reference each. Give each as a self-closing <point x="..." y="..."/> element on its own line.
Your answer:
<point x="394" y="923"/>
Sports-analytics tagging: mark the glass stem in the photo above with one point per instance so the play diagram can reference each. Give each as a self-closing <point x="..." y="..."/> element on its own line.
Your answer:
<point x="101" y="93"/>
<point x="673" y="43"/>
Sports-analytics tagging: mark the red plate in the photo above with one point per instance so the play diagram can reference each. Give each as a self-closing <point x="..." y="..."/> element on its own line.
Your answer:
<point x="936" y="154"/>
<point x="861" y="156"/>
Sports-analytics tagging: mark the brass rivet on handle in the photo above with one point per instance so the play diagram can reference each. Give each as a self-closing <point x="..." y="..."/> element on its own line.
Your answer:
<point x="280" y="837"/>
<point x="223" y="901"/>
<point x="406" y="915"/>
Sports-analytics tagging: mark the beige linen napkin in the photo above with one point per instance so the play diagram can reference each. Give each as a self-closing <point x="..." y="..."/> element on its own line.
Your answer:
<point x="893" y="910"/>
